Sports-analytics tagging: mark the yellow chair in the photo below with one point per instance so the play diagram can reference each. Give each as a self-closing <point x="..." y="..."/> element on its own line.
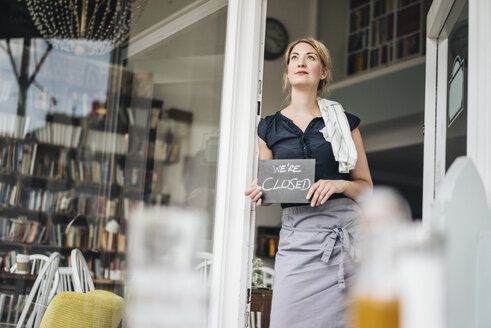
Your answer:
<point x="95" y="309"/>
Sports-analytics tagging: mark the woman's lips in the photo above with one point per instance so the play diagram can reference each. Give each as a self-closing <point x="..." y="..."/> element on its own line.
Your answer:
<point x="301" y="72"/>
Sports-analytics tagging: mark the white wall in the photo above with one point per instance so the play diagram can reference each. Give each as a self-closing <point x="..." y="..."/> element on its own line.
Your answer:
<point x="299" y="18"/>
<point x="386" y="97"/>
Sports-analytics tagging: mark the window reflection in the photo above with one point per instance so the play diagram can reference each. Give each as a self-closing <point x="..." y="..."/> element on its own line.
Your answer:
<point x="86" y="138"/>
<point x="457" y="66"/>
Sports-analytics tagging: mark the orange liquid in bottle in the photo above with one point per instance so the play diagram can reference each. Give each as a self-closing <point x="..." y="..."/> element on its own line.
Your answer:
<point x="374" y="313"/>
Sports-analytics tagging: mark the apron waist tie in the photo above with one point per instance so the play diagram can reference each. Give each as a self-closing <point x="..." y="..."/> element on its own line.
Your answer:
<point x="334" y="234"/>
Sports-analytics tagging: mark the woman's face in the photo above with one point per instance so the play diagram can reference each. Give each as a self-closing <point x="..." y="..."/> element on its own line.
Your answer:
<point x="305" y="68"/>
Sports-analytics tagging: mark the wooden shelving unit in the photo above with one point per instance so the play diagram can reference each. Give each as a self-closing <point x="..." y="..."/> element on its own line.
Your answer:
<point x="383" y="33"/>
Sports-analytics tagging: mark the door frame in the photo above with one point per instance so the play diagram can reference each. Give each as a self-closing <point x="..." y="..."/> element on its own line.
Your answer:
<point x="478" y="96"/>
<point x="234" y="213"/>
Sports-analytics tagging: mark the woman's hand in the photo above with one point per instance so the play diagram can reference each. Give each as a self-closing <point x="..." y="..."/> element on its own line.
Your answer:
<point x="323" y="189"/>
<point x="255" y="192"/>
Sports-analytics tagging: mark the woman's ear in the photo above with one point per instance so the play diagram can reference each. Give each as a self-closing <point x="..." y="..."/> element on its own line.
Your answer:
<point x="324" y="73"/>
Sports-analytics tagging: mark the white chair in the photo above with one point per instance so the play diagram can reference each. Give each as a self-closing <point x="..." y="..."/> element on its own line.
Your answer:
<point x="36" y="261"/>
<point x="268" y="276"/>
<point x="39" y="296"/>
<point x="82" y="280"/>
<point x="66" y="280"/>
<point x="204" y="266"/>
<point x="255" y="319"/>
<point x="63" y="281"/>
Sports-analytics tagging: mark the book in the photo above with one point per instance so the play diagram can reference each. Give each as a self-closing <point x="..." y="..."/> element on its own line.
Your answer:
<point x="33" y="231"/>
<point x="40" y="236"/>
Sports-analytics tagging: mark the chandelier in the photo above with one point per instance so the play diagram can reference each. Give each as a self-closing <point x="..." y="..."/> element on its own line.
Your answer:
<point x="92" y="27"/>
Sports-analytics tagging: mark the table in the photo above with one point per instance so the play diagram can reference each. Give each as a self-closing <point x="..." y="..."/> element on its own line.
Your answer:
<point x="261" y="302"/>
<point x="14" y="283"/>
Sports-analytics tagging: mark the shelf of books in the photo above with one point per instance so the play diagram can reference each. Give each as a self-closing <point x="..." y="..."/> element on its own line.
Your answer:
<point x="58" y="190"/>
<point x="65" y="181"/>
<point x="384" y="32"/>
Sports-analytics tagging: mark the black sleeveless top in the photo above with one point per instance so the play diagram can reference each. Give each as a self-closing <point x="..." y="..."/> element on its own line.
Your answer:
<point x="287" y="141"/>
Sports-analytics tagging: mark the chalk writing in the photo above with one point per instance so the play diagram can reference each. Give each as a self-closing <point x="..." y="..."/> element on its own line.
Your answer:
<point x="287" y="168"/>
<point x="290" y="184"/>
<point x="286" y="180"/>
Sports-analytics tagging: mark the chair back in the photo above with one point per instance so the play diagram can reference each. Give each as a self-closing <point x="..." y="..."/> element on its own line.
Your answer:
<point x="66" y="280"/>
<point x="204" y="266"/>
<point x="268" y="276"/>
<point x="38" y="298"/>
<point x="63" y="281"/>
<point x="82" y="281"/>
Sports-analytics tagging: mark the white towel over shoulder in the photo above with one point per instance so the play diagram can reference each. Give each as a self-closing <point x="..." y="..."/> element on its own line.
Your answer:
<point x="337" y="131"/>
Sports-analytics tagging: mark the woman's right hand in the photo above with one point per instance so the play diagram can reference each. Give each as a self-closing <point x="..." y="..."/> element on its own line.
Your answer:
<point x="255" y="192"/>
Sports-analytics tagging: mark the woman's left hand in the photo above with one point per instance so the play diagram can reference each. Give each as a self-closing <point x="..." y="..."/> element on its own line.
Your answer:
<point x="323" y="189"/>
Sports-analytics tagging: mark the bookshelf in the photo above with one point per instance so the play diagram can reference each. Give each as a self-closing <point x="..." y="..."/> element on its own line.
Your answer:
<point x="74" y="167"/>
<point x="62" y="170"/>
<point x="383" y="33"/>
<point x="44" y="185"/>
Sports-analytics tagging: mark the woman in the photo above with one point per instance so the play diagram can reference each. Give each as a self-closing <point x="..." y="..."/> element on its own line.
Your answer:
<point x="314" y="259"/>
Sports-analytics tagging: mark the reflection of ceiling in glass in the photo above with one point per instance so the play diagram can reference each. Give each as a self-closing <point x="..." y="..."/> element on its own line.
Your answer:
<point x="194" y="54"/>
<point x="187" y="67"/>
<point x="206" y="37"/>
<point x="158" y="10"/>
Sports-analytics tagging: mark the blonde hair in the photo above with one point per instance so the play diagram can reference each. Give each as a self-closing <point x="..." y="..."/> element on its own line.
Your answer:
<point x="324" y="56"/>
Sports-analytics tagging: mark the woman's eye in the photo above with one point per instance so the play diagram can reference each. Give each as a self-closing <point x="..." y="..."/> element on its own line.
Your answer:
<point x="293" y="57"/>
<point x="311" y="57"/>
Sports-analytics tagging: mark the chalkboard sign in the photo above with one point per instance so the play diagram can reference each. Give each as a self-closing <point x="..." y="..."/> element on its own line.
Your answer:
<point x="286" y="180"/>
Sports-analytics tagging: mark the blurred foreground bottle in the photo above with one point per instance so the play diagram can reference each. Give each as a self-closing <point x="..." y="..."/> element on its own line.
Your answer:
<point x="374" y="298"/>
<point x="400" y="279"/>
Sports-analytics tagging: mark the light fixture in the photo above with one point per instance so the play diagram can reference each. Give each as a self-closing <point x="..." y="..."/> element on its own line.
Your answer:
<point x="85" y="27"/>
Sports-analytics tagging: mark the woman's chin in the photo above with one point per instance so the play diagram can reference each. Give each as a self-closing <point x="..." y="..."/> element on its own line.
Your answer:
<point x="303" y="85"/>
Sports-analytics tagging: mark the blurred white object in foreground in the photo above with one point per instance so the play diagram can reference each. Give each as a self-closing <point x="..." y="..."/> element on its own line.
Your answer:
<point x="461" y="214"/>
<point x="163" y="288"/>
<point x="421" y="279"/>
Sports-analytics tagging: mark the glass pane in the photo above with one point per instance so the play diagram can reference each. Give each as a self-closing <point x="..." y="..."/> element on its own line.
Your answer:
<point x="94" y="144"/>
<point x="457" y="89"/>
<point x="156" y="11"/>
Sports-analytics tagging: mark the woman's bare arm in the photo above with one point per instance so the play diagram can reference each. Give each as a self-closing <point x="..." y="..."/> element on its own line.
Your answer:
<point x="264" y="151"/>
<point x="254" y="191"/>
<point x="360" y="175"/>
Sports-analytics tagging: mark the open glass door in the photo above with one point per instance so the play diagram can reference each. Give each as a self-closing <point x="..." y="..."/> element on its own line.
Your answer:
<point x="203" y="60"/>
<point x="119" y="119"/>
<point x="447" y="63"/>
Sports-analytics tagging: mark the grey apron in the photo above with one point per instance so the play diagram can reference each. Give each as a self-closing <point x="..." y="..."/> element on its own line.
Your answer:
<point x="314" y="265"/>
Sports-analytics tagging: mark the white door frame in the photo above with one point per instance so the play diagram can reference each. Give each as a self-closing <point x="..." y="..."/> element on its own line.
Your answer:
<point x="232" y="234"/>
<point x="478" y="96"/>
